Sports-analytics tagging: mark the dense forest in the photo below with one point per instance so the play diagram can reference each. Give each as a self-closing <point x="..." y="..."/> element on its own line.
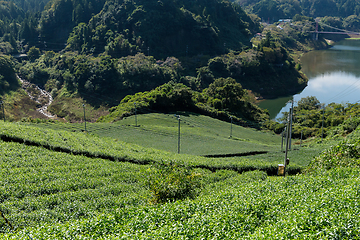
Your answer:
<point x="337" y="13"/>
<point x="289" y="8"/>
<point x="99" y="51"/>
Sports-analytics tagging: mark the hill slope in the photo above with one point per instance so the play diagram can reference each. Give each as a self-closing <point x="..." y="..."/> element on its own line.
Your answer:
<point x="164" y="28"/>
<point x="50" y="195"/>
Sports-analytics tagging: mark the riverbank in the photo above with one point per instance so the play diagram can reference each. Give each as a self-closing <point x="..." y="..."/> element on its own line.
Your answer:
<point x="333" y="77"/>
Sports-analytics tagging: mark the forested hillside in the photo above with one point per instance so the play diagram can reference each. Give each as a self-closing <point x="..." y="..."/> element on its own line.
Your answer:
<point x="120" y="28"/>
<point x="100" y="51"/>
<point x="344" y="13"/>
<point x="164" y="28"/>
<point x="289" y="8"/>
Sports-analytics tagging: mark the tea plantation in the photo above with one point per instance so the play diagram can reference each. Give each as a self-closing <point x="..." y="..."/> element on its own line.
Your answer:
<point x="57" y="183"/>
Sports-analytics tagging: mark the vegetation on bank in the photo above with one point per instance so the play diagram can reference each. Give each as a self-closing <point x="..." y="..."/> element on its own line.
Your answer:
<point x="311" y="118"/>
<point x="273" y="10"/>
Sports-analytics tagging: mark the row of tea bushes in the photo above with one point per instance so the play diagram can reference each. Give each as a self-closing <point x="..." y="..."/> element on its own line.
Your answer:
<point x="300" y="207"/>
<point x="106" y="148"/>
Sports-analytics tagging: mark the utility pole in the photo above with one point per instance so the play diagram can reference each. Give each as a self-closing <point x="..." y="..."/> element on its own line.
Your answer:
<point x="135" y="115"/>
<point x="287" y="143"/>
<point x="231" y="126"/>
<point x="282" y="139"/>
<point x="84" y="116"/>
<point x="322" y="125"/>
<point x="178" y="116"/>
<point x="291" y="116"/>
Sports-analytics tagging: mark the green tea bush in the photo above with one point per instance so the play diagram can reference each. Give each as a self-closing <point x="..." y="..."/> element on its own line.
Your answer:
<point x="348" y="126"/>
<point x="296" y="207"/>
<point x="253" y="176"/>
<point x="168" y="181"/>
<point x="344" y="154"/>
<point x="38" y="186"/>
<point x="106" y="148"/>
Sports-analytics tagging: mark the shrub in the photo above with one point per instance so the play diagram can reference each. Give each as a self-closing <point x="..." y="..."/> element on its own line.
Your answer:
<point x="344" y="154"/>
<point x="168" y="181"/>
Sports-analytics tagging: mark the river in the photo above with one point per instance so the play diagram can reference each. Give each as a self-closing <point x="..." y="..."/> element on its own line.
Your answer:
<point x="334" y="76"/>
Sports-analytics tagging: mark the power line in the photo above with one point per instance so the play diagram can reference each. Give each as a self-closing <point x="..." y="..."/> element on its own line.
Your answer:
<point x="343" y="92"/>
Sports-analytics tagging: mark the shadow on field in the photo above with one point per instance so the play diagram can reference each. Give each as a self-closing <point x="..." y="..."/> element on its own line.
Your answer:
<point x="235" y="154"/>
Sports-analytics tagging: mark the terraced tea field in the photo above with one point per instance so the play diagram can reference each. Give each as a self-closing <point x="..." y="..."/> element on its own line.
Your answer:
<point x="57" y="182"/>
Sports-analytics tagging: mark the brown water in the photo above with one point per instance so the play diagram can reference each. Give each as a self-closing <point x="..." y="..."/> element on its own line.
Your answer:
<point x="334" y="76"/>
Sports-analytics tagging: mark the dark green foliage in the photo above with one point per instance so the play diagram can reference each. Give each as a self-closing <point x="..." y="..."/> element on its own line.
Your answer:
<point x="33" y="53"/>
<point x="228" y="95"/>
<point x="9" y="10"/>
<point x="165" y="98"/>
<point x="168" y="181"/>
<point x="272" y="9"/>
<point x="8" y="80"/>
<point x="10" y="15"/>
<point x="222" y="98"/>
<point x="100" y="80"/>
<point x="352" y="22"/>
<point x="276" y="9"/>
<point x="31" y="5"/>
<point x="104" y="80"/>
<point x="334" y="120"/>
<point x="59" y="17"/>
<point x="308" y="103"/>
<point x="164" y="28"/>
<point x="265" y="71"/>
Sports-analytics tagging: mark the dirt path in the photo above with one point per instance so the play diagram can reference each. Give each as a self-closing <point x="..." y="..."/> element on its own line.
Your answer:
<point x="40" y="96"/>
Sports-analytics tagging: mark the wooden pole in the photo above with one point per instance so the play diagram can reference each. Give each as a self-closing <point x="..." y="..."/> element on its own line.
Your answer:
<point x="135" y="115"/>
<point x="231" y="126"/>
<point x="179" y="135"/>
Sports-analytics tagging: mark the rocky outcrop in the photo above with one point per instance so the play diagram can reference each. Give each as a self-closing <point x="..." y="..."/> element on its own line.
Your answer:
<point x="40" y="96"/>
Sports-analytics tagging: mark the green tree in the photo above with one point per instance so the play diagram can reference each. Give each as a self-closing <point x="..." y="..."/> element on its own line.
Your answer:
<point x="308" y="103"/>
<point x="8" y="79"/>
<point x="33" y="53"/>
<point x="352" y="23"/>
<point x="228" y="91"/>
